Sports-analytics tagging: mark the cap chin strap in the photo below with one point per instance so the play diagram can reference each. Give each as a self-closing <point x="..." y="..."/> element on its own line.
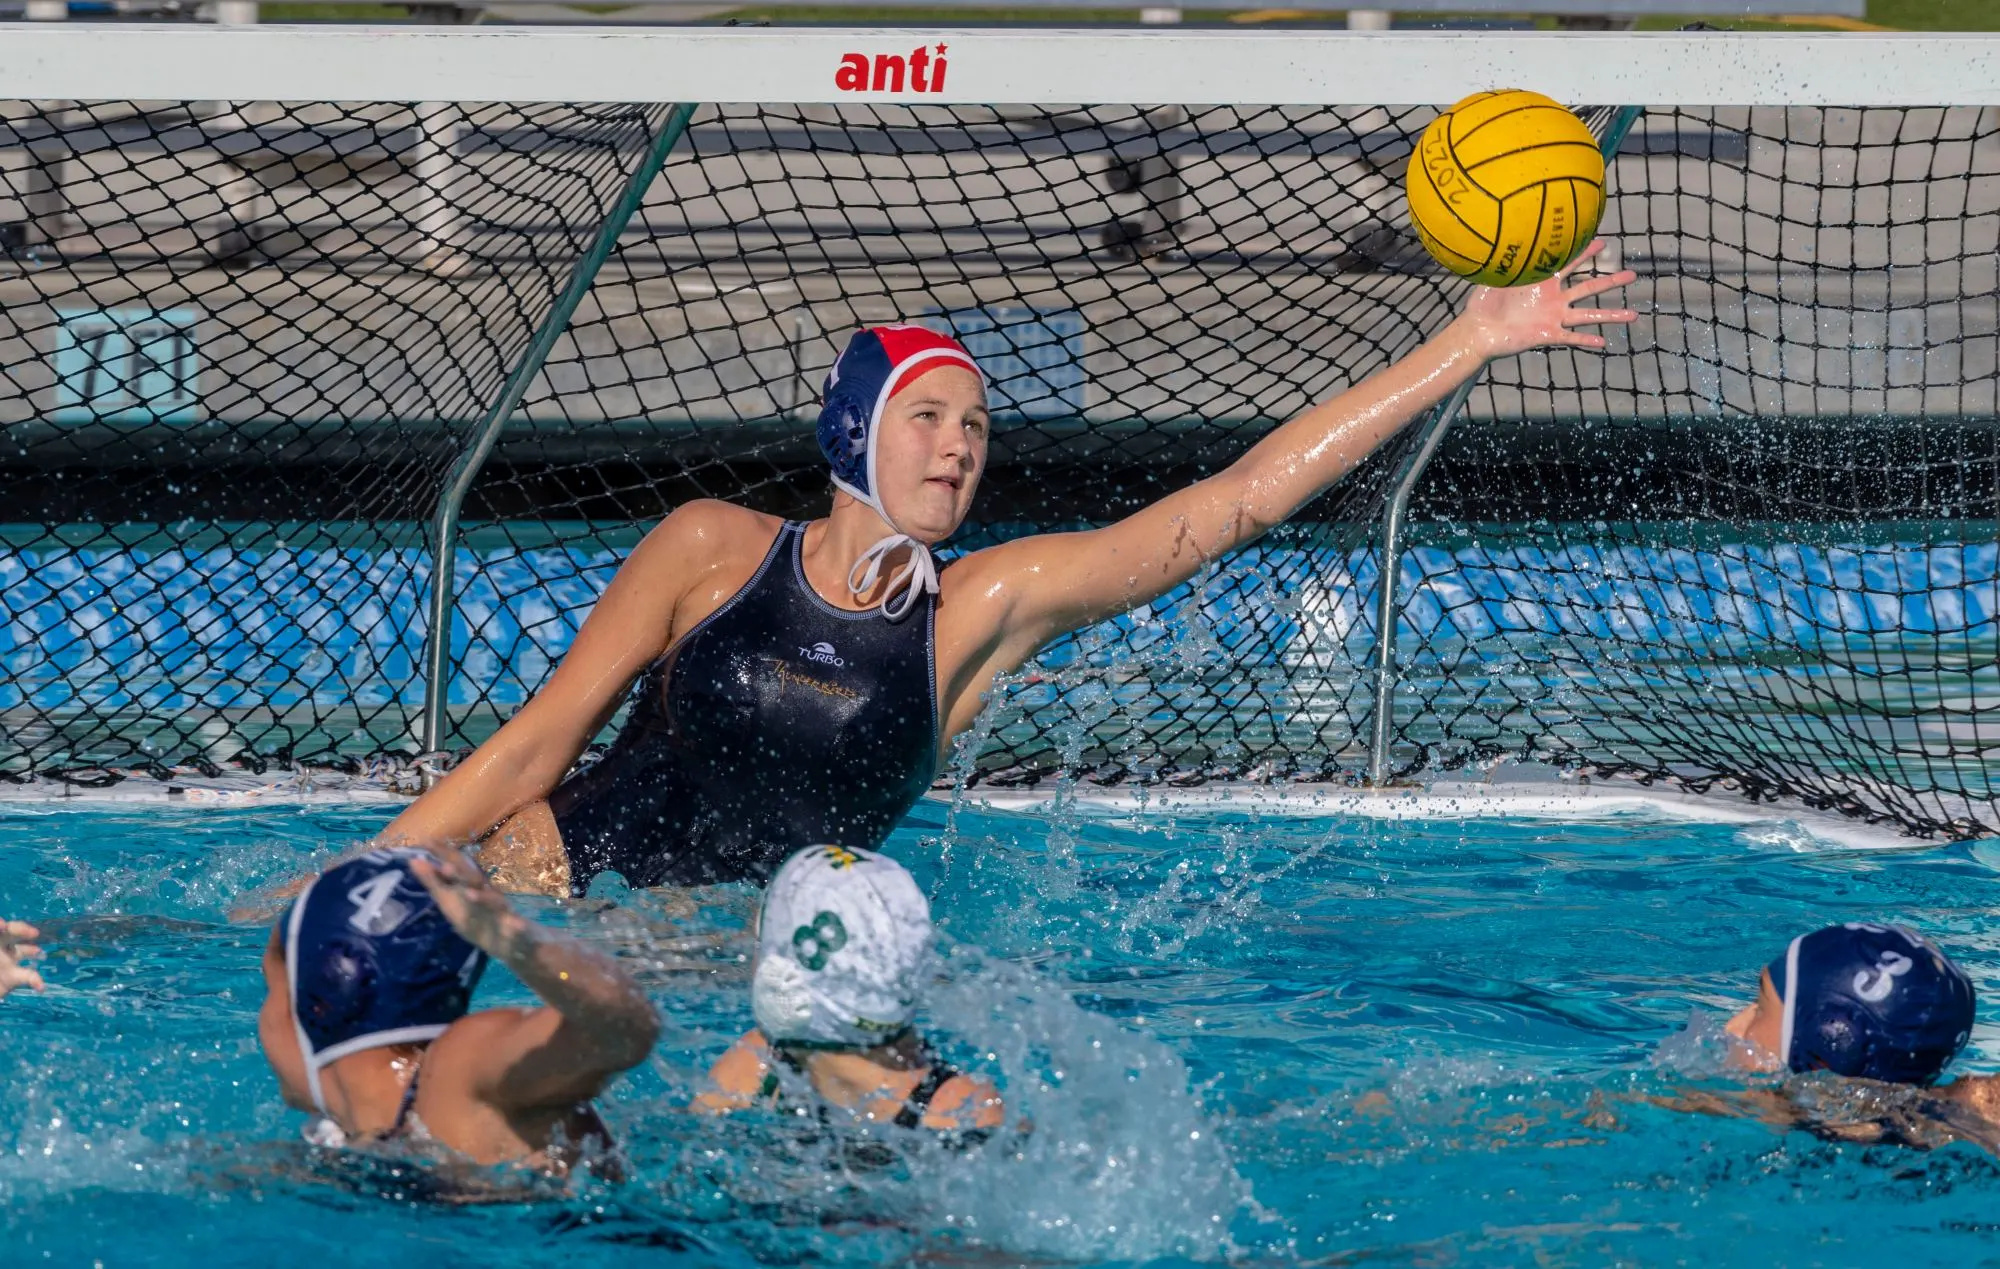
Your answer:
<point x="916" y="578"/>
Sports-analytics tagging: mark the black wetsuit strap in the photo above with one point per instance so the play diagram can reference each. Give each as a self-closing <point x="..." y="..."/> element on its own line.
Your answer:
<point x="409" y="1100"/>
<point x="912" y="1113"/>
<point x="771" y="1084"/>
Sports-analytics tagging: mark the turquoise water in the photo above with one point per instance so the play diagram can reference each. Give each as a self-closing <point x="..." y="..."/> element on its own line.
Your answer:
<point x="1260" y="1041"/>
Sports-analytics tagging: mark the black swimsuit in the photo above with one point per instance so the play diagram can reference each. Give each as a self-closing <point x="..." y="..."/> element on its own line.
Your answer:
<point x="779" y="722"/>
<point x="937" y="1074"/>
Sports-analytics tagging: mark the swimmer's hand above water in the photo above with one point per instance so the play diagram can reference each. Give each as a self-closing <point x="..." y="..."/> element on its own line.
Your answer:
<point x="481" y="915"/>
<point x="597" y="1022"/>
<point x="17" y="945"/>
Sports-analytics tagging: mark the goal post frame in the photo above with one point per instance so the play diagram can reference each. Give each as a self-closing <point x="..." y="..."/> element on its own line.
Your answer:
<point x="375" y="304"/>
<point x="1612" y="126"/>
<point x="465" y="469"/>
<point x="802" y="66"/>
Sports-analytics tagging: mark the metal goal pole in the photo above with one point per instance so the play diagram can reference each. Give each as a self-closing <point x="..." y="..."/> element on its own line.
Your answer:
<point x="1613" y="124"/>
<point x="465" y="470"/>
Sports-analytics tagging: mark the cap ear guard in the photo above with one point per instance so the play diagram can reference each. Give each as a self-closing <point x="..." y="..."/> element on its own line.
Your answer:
<point x="1839" y="1041"/>
<point x="843" y="438"/>
<point x="780" y="998"/>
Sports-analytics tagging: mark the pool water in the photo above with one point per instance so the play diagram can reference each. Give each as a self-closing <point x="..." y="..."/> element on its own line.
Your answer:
<point x="1261" y="1040"/>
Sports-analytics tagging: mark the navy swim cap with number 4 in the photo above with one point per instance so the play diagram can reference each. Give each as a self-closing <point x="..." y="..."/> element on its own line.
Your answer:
<point x="372" y="961"/>
<point x="1875" y="1001"/>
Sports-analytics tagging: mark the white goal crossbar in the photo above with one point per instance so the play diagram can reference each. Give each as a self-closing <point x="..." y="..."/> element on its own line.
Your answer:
<point x="818" y="65"/>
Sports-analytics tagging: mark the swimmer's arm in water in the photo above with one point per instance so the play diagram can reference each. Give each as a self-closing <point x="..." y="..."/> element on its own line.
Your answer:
<point x="1866" y="1118"/>
<point x="1767" y="1105"/>
<point x="966" y="1102"/>
<point x="626" y="631"/>
<point x="737" y="1078"/>
<point x="597" y="1022"/>
<point x="1050" y="584"/>
<point x="16" y="945"/>
<point x="1979" y="1094"/>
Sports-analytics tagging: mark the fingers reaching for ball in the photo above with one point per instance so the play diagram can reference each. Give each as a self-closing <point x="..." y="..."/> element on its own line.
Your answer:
<point x="1502" y="321"/>
<point x="1587" y="288"/>
<point x="1596" y="284"/>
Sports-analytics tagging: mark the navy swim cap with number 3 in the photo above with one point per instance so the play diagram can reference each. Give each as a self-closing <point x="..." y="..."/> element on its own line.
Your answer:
<point x="1875" y="1001"/>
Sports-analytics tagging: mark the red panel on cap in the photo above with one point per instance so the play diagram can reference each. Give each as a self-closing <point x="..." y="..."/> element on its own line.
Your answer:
<point x="925" y="348"/>
<point x="904" y="342"/>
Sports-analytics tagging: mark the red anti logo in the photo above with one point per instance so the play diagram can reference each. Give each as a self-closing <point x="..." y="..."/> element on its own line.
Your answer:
<point x="921" y="71"/>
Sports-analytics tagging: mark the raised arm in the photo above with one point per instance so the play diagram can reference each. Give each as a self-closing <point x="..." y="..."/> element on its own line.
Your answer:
<point x="596" y="1021"/>
<point x="1054" y="583"/>
<point x="522" y="762"/>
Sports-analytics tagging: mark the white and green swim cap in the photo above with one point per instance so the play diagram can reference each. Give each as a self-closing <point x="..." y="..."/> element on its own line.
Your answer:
<point x="843" y="946"/>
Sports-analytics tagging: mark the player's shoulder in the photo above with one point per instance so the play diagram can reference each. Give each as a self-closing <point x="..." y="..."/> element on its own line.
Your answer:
<point x="471" y="1053"/>
<point x="721" y="524"/>
<point x="706" y="532"/>
<point x="1015" y="561"/>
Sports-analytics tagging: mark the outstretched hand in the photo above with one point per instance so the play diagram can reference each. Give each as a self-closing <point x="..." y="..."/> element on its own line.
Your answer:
<point x="471" y="902"/>
<point x="1502" y="321"/>
<point x="16" y="945"/>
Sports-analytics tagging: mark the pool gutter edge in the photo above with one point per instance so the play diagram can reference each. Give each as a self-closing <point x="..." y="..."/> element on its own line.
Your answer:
<point x="1553" y="798"/>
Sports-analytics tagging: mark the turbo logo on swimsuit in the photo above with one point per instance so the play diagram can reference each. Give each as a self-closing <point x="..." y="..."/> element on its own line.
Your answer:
<point x="824" y="654"/>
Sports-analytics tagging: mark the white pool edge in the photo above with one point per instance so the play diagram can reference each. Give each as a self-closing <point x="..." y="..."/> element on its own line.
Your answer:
<point x="1462" y="800"/>
<point x="1544" y="798"/>
<point x="301" y="788"/>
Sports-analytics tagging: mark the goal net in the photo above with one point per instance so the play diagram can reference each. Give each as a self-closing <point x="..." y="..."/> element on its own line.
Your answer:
<point x="326" y="422"/>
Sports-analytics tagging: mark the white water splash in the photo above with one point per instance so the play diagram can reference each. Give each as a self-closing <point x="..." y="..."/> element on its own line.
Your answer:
<point x="1120" y="1159"/>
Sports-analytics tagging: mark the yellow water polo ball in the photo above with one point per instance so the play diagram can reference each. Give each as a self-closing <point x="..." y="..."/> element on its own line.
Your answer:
<point x="1506" y="187"/>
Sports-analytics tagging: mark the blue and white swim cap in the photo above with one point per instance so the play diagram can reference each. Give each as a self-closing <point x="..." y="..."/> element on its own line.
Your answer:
<point x="371" y="961"/>
<point x="843" y="948"/>
<point x="1876" y="1001"/>
<point x="877" y="364"/>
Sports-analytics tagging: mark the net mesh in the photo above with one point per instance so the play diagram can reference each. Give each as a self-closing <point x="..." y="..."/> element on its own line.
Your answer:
<point x="242" y="345"/>
<point x="1753" y="545"/>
